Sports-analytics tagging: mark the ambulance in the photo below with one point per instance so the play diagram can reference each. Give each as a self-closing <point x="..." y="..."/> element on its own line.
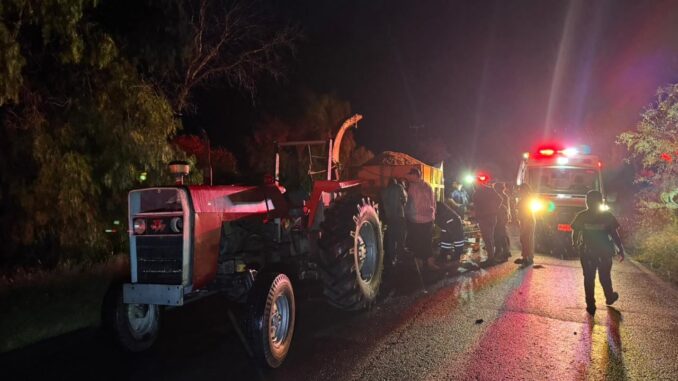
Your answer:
<point x="559" y="178"/>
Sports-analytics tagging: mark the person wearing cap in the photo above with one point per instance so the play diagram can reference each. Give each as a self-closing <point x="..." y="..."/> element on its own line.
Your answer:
<point x="487" y="203"/>
<point x="393" y="200"/>
<point x="594" y="235"/>
<point x="501" y="237"/>
<point x="526" y="224"/>
<point x="459" y="199"/>
<point x="420" y="213"/>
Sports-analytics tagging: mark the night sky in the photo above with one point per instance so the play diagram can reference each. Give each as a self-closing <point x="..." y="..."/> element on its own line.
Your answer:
<point x="489" y="78"/>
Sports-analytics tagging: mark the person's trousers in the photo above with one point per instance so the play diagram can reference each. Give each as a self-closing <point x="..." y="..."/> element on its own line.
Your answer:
<point x="527" y="242"/>
<point x="602" y="263"/>
<point x="451" y="245"/>
<point x="419" y="238"/>
<point x="487" y="225"/>
<point x="501" y="239"/>
<point x="395" y="238"/>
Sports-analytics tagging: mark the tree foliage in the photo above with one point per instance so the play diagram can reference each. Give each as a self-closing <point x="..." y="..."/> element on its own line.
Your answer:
<point x="77" y="127"/>
<point x="223" y="162"/>
<point x="653" y="145"/>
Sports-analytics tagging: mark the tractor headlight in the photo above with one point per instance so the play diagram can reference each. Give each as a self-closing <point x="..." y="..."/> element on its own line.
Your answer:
<point x="177" y="224"/>
<point x="537" y="205"/>
<point x="139" y="226"/>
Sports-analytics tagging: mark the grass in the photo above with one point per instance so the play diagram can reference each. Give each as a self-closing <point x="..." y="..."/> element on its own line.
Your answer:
<point x="40" y="304"/>
<point x="659" y="250"/>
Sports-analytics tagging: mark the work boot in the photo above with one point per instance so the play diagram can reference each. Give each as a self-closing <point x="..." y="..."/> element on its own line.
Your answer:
<point x="527" y="263"/>
<point x="518" y="261"/>
<point x="614" y="298"/>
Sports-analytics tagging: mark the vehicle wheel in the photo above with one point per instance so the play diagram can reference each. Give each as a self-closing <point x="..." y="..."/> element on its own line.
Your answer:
<point x="270" y="320"/>
<point x="134" y="326"/>
<point x="352" y="253"/>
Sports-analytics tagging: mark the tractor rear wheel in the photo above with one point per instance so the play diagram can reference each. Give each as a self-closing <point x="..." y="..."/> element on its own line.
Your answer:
<point x="352" y="251"/>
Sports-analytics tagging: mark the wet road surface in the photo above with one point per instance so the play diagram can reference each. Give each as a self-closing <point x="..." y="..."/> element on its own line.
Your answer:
<point x="497" y="323"/>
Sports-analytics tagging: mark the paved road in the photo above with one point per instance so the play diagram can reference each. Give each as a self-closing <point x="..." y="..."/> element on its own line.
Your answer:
<point x="533" y="327"/>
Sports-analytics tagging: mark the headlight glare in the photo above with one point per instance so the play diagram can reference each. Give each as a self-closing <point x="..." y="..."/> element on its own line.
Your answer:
<point x="537" y="205"/>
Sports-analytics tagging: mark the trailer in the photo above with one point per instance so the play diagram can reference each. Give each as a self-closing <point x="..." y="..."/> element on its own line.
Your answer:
<point x="376" y="173"/>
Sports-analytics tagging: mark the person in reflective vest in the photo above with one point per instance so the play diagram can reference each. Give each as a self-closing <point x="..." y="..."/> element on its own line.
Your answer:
<point x="451" y="232"/>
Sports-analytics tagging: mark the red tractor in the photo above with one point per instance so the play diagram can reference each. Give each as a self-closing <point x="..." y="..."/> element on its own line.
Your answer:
<point x="248" y="242"/>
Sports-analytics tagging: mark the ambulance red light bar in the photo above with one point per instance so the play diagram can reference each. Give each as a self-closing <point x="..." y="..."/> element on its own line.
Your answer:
<point x="549" y="151"/>
<point x="483" y="178"/>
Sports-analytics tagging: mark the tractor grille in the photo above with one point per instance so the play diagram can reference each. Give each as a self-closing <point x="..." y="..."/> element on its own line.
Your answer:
<point x="159" y="259"/>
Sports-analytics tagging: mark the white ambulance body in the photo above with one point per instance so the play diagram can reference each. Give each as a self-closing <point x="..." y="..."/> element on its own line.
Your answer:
<point x="559" y="179"/>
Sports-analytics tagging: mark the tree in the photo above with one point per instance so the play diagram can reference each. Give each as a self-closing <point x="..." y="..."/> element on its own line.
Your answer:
<point x="653" y="145"/>
<point x="182" y="46"/>
<point x="224" y="163"/>
<point x="78" y="126"/>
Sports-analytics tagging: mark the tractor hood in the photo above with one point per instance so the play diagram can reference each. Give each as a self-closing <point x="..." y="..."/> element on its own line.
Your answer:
<point x="237" y="201"/>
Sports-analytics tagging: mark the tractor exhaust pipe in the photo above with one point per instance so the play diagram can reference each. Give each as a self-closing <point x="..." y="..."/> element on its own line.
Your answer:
<point x="179" y="169"/>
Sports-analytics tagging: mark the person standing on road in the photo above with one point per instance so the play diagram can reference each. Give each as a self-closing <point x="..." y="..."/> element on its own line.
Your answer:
<point x="501" y="237"/>
<point x="393" y="199"/>
<point x="594" y="234"/>
<point x="420" y="213"/>
<point x="459" y="199"/>
<point x="487" y="202"/>
<point x="526" y="224"/>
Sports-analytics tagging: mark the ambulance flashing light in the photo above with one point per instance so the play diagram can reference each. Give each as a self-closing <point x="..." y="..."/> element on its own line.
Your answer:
<point x="551" y="151"/>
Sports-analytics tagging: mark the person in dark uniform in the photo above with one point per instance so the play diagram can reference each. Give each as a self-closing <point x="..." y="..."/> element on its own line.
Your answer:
<point x="393" y="200"/>
<point x="451" y="232"/>
<point x="526" y="224"/>
<point x="487" y="202"/>
<point x="501" y="237"/>
<point x="594" y="234"/>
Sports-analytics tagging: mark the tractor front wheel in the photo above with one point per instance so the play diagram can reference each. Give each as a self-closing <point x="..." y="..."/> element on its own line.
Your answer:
<point x="270" y="320"/>
<point x="134" y="326"/>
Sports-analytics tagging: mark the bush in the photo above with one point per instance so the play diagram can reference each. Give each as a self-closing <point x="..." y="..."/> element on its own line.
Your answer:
<point x="659" y="249"/>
